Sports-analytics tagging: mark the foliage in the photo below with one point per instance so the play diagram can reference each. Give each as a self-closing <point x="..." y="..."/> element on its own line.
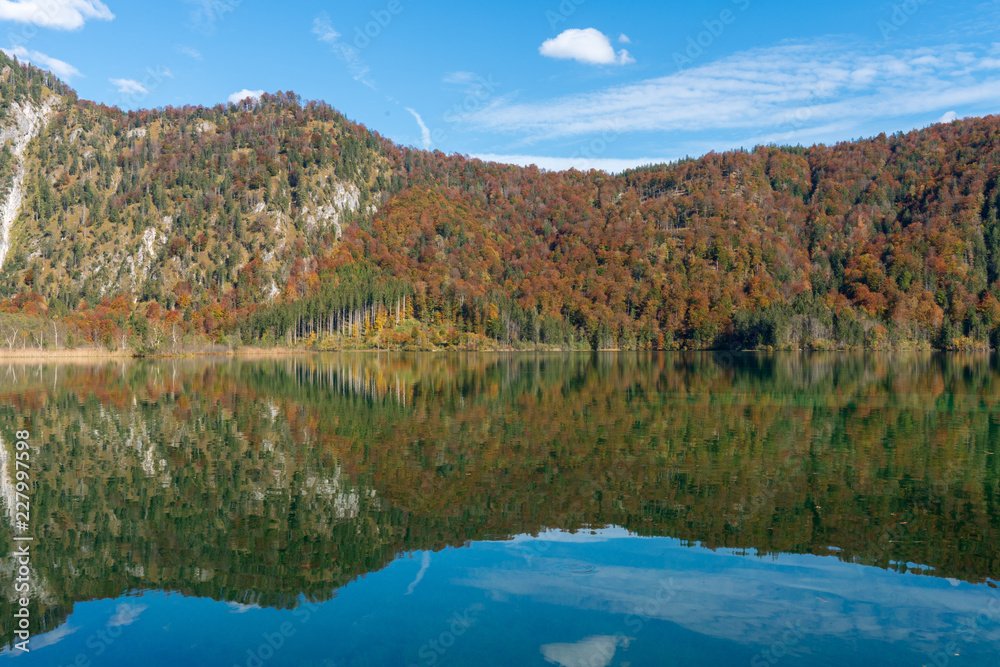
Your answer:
<point x="229" y="216"/>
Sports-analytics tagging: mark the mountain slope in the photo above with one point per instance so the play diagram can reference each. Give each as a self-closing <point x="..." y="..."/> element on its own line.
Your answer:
<point x="277" y="222"/>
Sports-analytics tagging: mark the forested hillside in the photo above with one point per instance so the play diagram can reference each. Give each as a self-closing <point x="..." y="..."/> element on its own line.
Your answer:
<point x="278" y="222"/>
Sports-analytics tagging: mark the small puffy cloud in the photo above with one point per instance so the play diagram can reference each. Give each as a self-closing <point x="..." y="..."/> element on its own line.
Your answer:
<point x="948" y="117"/>
<point x="588" y="46"/>
<point x="623" y="39"/>
<point x="126" y="614"/>
<point x="596" y="651"/>
<point x="425" y="132"/>
<point x="58" y="67"/>
<point x="189" y="51"/>
<point x="56" y="14"/>
<point x="241" y="95"/>
<point x="129" y="86"/>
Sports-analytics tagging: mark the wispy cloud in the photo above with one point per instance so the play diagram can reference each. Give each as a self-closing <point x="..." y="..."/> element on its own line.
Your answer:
<point x="126" y="614"/>
<point x="779" y="89"/>
<point x="425" y="132"/>
<point x="460" y="78"/>
<point x="53" y="637"/>
<point x="425" y="564"/>
<point x="590" y="46"/>
<point x="129" y="86"/>
<point x="476" y="87"/>
<point x="324" y="30"/>
<point x="56" y="14"/>
<point x="326" y="33"/>
<point x="206" y="13"/>
<point x="188" y="51"/>
<point x="60" y="68"/>
<point x="470" y="81"/>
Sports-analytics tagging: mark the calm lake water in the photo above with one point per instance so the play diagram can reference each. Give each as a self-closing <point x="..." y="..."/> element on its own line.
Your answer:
<point x="573" y="510"/>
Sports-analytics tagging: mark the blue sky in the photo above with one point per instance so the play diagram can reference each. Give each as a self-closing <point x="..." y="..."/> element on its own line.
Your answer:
<point x="555" y="82"/>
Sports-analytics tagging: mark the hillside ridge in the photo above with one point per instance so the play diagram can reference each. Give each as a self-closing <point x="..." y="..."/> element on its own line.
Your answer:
<point x="280" y="222"/>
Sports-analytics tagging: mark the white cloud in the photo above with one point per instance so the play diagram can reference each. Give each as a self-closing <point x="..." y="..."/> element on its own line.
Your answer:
<point x="189" y="51"/>
<point x="206" y="12"/>
<point x="473" y="84"/>
<point x="58" y="67"/>
<point x="53" y="637"/>
<point x="778" y="89"/>
<point x="425" y="132"/>
<point x="326" y="33"/>
<point x="948" y="117"/>
<point x="425" y="564"/>
<point x="56" y="14"/>
<point x="595" y="651"/>
<point x="129" y="86"/>
<point x="610" y="165"/>
<point x="623" y="39"/>
<point x="241" y="95"/>
<point x="590" y="46"/>
<point x="126" y="614"/>
<point x="461" y="78"/>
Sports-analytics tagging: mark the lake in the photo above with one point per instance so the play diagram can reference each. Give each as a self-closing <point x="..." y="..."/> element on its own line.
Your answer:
<point x="581" y="510"/>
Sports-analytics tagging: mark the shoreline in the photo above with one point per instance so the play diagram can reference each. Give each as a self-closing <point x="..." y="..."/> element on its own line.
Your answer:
<point x="99" y="354"/>
<point x="32" y="354"/>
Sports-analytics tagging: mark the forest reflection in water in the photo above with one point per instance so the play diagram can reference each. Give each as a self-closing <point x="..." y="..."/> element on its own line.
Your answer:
<point x="267" y="483"/>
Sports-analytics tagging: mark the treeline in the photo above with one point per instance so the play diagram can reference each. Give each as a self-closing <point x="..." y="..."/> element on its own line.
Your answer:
<point x="354" y="304"/>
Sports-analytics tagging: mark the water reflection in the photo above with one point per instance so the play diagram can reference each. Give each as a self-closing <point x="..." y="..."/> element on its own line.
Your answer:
<point x="266" y="484"/>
